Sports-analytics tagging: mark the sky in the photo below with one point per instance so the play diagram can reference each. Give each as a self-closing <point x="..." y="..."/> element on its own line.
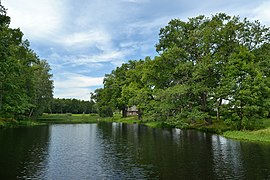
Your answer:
<point x="85" y="39"/>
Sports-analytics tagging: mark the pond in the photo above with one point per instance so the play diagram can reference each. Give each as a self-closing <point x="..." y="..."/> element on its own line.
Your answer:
<point x="127" y="151"/>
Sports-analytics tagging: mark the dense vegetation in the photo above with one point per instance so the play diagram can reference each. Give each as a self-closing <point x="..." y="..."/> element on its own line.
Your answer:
<point x="207" y="68"/>
<point x="73" y="106"/>
<point x="25" y="80"/>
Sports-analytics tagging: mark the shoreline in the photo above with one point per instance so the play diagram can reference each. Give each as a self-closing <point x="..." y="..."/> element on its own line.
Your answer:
<point x="261" y="135"/>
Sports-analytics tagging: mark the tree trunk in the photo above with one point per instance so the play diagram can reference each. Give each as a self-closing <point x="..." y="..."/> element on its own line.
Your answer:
<point x="208" y="120"/>
<point x="31" y="112"/>
<point x="139" y="114"/>
<point x="241" y="115"/>
<point x="1" y="96"/>
<point x="204" y="106"/>
<point x="218" y="109"/>
<point x="203" y="101"/>
<point x="124" y="112"/>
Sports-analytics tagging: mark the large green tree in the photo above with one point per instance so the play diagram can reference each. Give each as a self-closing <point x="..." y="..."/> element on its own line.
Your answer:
<point x="25" y="81"/>
<point x="207" y="66"/>
<point x="111" y="97"/>
<point x="210" y="45"/>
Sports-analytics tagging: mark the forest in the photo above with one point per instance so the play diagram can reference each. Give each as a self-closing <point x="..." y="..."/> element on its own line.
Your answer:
<point x="74" y="106"/>
<point x="208" y="68"/>
<point x="26" y="85"/>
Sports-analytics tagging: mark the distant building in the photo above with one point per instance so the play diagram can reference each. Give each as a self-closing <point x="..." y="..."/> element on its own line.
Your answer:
<point x="132" y="111"/>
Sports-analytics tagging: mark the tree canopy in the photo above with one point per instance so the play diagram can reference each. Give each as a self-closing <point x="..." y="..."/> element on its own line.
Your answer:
<point x="73" y="106"/>
<point x="26" y="84"/>
<point x="207" y="67"/>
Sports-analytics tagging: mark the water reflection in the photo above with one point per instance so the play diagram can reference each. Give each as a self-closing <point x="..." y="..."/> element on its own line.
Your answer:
<point x="127" y="151"/>
<point x="23" y="151"/>
<point x="227" y="158"/>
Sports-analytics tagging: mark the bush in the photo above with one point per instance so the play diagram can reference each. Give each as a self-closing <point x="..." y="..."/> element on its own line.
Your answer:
<point x="252" y="123"/>
<point x="105" y="111"/>
<point x="178" y="121"/>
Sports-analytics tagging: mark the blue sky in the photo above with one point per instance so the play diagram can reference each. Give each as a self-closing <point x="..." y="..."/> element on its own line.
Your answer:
<point x="83" y="40"/>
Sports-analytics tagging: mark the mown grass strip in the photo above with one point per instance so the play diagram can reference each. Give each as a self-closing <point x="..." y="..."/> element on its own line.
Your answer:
<point x="262" y="135"/>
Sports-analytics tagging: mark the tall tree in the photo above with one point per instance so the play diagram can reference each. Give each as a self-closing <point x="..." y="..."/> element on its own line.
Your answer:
<point x="205" y="65"/>
<point x="22" y="74"/>
<point x="208" y="43"/>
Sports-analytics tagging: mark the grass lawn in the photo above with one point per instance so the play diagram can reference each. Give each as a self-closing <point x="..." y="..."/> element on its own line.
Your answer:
<point x="68" y="118"/>
<point x="84" y="118"/>
<point x="262" y="135"/>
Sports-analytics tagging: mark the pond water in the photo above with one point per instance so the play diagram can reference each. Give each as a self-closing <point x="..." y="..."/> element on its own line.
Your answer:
<point x="127" y="151"/>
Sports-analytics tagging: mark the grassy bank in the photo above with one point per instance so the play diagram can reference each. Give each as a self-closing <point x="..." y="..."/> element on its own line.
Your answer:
<point x="68" y="118"/>
<point x="218" y="127"/>
<point x="83" y="118"/>
<point x="11" y="123"/>
<point x="261" y="135"/>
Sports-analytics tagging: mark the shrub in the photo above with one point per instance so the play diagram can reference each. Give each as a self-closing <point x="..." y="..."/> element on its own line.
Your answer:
<point x="105" y="111"/>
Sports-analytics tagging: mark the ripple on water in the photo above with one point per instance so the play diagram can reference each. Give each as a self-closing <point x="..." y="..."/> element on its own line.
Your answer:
<point x="127" y="151"/>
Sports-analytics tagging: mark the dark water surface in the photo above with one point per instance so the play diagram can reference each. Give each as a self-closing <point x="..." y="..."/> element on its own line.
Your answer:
<point x="127" y="151"/>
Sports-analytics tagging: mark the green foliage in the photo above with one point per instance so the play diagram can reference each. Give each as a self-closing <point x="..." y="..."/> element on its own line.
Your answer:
<point x="73" y="106"/>
<point x="105" y="111"/>
<point x="178" y="121"/>
<point x="206" y="66"/>
<point x="68" y="118"/>
<point x="259" y="135"/>
<point x="12" y="123"/>
<point x="83" y="118"/>
<point x="25" y="80"/>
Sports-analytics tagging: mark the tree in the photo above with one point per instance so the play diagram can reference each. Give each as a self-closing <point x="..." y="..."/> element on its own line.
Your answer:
<point x="102" y="97"/>
<point x="111" y="94"/>
<point x="139" y="89"/>
<point x="208" y="43"/>
<point x="73" y="106"/>
<point x="206" y="66"/>
<point x="43" y="88"/>
<point x="25" y="81"/>
<point x="248" y="99"/>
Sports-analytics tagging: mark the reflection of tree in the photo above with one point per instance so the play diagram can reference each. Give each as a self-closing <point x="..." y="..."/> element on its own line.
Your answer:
<point x="122" y="152"/>
<point x="227" y="158"/>
<point x="23" y="151"/>
<point x="157" y="153"/>
<point x="256" y="160"/>
<point x="175" y="153"/>
<point x="240" y="160"/>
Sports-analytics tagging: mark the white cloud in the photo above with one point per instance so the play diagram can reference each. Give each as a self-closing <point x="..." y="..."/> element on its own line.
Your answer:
<point x="73" y="80"/>
<point x="77" y="93"/>
<point x="262" y="13"/>
<point x="72" y="85"/>
<point x="97" y="38"/>
<point x="104" y="57"/>
<point x="148" y="26"/>
<point x="37" y="19"/>
<point x="95" y="60"/>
